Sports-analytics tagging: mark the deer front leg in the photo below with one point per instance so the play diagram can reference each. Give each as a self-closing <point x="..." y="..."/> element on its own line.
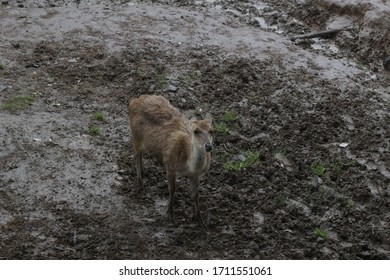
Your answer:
<point x="139" y="168"/>
<point x="171" y="176"/>
<point x="194" y="183"/>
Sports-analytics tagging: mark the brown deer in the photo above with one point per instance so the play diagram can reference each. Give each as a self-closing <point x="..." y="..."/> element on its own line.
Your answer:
<point x="182" y="145"/>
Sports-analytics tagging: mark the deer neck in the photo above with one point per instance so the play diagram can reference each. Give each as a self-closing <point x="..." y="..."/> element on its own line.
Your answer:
<point x="199" y="159"/>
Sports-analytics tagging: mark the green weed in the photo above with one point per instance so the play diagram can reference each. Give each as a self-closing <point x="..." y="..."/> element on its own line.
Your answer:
<point x="221" y="128"/>
<point x="17" y="103"/>
<point x="162" y="79"/>
<point x="319" y="169"/>
<point x="234" y="165"/>
<point x="2" y="66"/>
<point x="281" y="200"/>
<point x="229" y="117"/>
<point x="251" y="159"/>
<point x="99" y="116"/>
<point x="321" y="233"/>
<point x="336" y="166"/>
<point x="94" y="129"/>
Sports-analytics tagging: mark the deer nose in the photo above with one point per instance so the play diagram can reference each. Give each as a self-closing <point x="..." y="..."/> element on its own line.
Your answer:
<point x="208" y="147"/>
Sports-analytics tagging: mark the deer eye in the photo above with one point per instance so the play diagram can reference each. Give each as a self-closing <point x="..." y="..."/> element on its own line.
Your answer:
<point x="197" y="131"/>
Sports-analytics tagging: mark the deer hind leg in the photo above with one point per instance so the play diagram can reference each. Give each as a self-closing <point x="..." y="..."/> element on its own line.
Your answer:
<point x="194" y="183"/>
<point x="171" y="176"/>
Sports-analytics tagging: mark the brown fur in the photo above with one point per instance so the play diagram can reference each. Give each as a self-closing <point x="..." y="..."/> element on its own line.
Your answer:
<point x="160" y="130"/>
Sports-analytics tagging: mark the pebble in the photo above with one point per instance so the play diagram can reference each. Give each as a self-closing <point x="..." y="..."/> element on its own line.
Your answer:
<point x="243" y="103"/>
<point x="2" y="87"/>
<point x="241" y="157"/>
<point x="172" y="88"/>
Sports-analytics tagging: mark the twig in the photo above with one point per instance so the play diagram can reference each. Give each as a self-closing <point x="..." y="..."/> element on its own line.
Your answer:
<point x="323" y="34"/>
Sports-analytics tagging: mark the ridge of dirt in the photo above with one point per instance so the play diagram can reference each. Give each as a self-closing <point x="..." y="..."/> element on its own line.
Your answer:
<point x="316" y="118"/>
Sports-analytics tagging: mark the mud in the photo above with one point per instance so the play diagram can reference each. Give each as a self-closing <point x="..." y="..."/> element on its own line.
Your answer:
<point x="315" y="111"/>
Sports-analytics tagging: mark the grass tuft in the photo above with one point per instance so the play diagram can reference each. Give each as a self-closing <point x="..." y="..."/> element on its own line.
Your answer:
<point x="99" y="116"/>
<point x="17" y="103"/>
<point x="251" y="160"/>
<point x="319" y="169"/>
<point x="94" y="129"/>
<point x="229" y="117"/>
<point x="321" y="233"/>
<point x="221" y="128"/>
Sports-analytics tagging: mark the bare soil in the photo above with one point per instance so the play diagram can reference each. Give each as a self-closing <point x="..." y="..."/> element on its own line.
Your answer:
<point x="316" y="111"/>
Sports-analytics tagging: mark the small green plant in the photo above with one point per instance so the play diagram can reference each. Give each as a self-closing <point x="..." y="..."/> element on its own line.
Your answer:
<point x="99" y="116"/>
<point x="16" y="103"/>
<point x="162" y="79"/>
<point x="281" y="200"/>
<point x="319" y="169"/>
<point x="251" y="159"/>
<point x="2" y="66"/>
<point x="321" y="233"/>
<point x="94" y="129"/>
<point x="336" y="166"/>
<point x="360" y="65"/>
<point x="234" y="165"/>
<point x="221" y="128"/>
<point x="188" y="78"/>
<point x="229" y="117"/>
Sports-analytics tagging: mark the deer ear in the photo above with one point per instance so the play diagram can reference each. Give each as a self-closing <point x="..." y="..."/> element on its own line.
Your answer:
<point x="209" y="118"/>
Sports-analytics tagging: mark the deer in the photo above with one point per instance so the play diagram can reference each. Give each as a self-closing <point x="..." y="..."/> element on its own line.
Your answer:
<point x="182" y="145"/>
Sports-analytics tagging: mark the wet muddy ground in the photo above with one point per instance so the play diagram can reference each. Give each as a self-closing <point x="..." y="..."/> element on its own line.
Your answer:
<point x="301" y="168"/>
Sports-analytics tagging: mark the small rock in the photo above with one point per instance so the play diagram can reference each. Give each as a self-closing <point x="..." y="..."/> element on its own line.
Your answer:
<point x="344" y="145"/>
<point x="245" y="125"/>
<point x="241" y="157"/>
<point x="243" y="103"/>
<point x="198" y="111"/>
<point x="261" y="136"/>
<point x="152" y="88"/>
<point x="284" y="161"/>
<point x="174" y="81"/>
<point x="258" y="218"/>
<point x="316" y="182"/>
<point x="2" y="87"/>
<point x="172" y="88"/>
<point x="115" y="167"/>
